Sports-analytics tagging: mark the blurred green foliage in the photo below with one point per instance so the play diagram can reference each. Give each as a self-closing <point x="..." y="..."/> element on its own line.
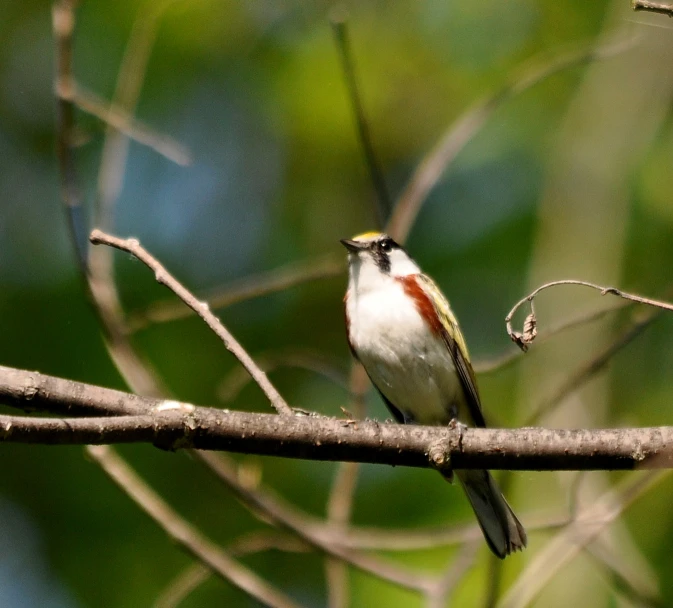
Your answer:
<point x="255" y="91"/>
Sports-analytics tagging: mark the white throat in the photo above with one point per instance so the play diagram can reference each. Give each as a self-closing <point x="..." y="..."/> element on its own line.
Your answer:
<point x="365" y="276"/>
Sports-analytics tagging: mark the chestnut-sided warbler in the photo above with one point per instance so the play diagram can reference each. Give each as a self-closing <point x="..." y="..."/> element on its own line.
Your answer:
<point x="401" y="328"/>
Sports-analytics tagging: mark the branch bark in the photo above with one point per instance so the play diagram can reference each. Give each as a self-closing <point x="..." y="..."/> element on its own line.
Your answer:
<point x="174" y="425"/>
<point x="664" y="8"/>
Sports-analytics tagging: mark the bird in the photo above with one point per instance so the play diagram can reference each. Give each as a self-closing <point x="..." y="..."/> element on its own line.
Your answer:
<point x="401" y="328"/>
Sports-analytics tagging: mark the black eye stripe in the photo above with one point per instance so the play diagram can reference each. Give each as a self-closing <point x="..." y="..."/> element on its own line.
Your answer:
<point x="382" y="260"/>
<point x="380" y="250"/>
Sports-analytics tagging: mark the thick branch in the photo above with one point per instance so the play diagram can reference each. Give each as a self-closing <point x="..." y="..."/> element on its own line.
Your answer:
<point x="173" y="425"/>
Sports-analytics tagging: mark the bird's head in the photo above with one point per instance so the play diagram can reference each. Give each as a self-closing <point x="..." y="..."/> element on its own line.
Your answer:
<point x="374" y="256"/>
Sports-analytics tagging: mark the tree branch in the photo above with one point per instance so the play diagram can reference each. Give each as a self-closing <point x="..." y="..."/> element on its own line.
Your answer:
<point x="173" y="425"/>
<point x="341" y="37"/>
<point x="247" y="288"/>
<point x="435" y="163"/>
<point x="188" y="537"/>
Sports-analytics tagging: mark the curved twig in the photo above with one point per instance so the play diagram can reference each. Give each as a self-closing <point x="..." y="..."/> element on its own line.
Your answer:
<point x="435" y="163"/>
<point x="524" y="338"/>
<point x="265" y="283"/>
<point x="184" y="534"/>
<point x="340" y="29"/>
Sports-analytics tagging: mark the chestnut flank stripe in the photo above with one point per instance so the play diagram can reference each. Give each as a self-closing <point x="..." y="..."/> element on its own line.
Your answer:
<point x="423" y="303"/>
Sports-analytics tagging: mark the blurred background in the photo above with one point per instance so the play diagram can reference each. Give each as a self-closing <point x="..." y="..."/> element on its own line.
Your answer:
<point x="568" y="178"/>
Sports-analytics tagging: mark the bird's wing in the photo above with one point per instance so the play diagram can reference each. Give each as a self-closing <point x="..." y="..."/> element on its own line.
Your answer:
<point x="453" y="338"/>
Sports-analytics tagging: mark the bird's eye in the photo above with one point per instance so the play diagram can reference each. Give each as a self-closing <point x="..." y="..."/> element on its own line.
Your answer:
<point x="386" y="244"/>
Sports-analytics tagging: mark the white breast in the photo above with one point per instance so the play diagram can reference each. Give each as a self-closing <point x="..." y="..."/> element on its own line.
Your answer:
<point x="409" y="365"/>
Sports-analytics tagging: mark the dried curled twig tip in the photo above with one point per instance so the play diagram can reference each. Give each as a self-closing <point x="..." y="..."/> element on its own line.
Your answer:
<point x="517" y="338"/>
<point x="530" y="328"/>
<point x="523" y="339"/>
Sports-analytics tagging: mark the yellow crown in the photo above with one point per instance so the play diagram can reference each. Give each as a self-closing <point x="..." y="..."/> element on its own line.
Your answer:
<point x="367" y="236"/>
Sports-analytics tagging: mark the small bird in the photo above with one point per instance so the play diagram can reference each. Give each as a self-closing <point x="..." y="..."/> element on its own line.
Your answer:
<point x="401" y="328"/>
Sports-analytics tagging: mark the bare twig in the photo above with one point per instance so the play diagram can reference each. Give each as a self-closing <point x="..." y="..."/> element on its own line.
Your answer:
<point x="101" y="291"/>
<point x="436" y="161"/>
<point x="431" y="538"/>
<point x="340" y="502"/>
<point x="184" y="534"/>
<point x="297" y="523"/>
<point x="453" y="575"/>
<point x="523" y="339"/>
<point x="100" y="282"/>
<point x="664" y="8"/>
<point x="500" y="362"/>
<point x="196" y="574"/>
<point x="590" y="368"/>
<point x="162" y="276"/>
<point x="127" y="92"/>
<point x="63" y="24"/>
<point x="183" y="585"/>
<point x="116" y="117"/>
<point x="237" y="379"/>
<point x="639" y="592"/>
<point x="570" y="541"/>
<point x="273" y="281"/>
<point x="340" y="29"/>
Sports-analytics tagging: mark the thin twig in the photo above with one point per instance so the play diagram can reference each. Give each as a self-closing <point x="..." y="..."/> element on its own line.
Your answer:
<point x="183" y="585"/>
<point x="116" y="117"/>
<point x="299" y="525"/>
<point x="432" y="538"/>
<point x="638" y="592"/>
<point x="523" y="339"/>
<point x="101" y="293"/>
<point x="196" y="574"/>
<point x="384" y="206"/>
<point x="138" y="373"/>
<point x="114" y="155"/>
<point x="272" y="281"/>
<point x="461" y="565"/>
<point x="163" y="277"/>
<point x="460" y="132"/>
<point x="63" y="25"/>
<point x="498" y="363"/>
<point x="590" y="368"/>
<point x="307" y="359"/>
<point x="342" y="493"/>
<point x="184" y="534"/>
<point x="570" y="541"/>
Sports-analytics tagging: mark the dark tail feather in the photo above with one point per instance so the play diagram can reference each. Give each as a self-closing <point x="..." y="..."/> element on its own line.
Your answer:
<point x="502" y="530"/>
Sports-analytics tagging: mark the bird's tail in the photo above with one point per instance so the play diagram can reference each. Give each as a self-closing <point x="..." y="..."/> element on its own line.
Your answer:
<point x="502" y="530"/>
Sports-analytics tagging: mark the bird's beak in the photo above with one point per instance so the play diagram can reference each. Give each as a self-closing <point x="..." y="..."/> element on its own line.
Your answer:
<point x="353" y="246"/>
